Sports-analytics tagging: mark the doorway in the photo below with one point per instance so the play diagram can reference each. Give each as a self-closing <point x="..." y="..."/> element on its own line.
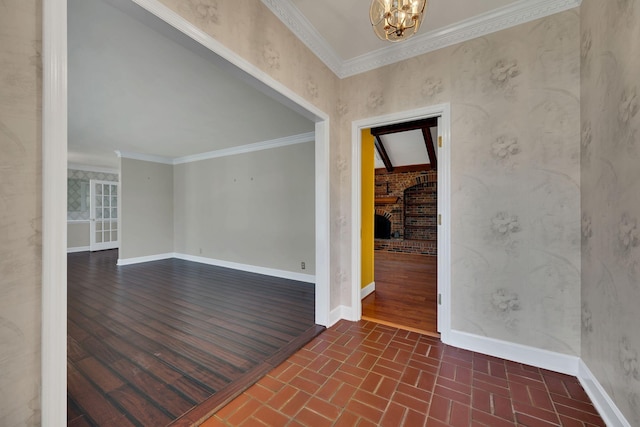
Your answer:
<point x="442" y="265"/>
<point x="54" y="155"/>
<point x="103" y="225"/>
<point x="399" y="266"/>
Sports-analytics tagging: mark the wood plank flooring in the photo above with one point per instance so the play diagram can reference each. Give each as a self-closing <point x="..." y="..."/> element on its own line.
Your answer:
<point x="169" y="342"/>
<point x="406" y="292"/>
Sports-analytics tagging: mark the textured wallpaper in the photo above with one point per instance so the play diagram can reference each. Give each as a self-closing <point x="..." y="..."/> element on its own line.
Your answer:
<point x="78" y="191"/>
<point x="20" y="212"/>
<point x="515" y="173"/>
<point x="610" y="174"/>
<point x="515" y="159"/>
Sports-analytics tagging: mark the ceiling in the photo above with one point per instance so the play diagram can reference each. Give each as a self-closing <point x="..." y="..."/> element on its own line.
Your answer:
<point x="137" y="85"/>
<point x="340" y="34"/>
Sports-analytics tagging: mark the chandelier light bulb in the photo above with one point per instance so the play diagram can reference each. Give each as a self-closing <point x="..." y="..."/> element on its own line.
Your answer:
<point x="396" y="20"/>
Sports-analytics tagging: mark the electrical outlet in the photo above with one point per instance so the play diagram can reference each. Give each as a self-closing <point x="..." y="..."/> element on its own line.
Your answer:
<point x="303" y="265"/>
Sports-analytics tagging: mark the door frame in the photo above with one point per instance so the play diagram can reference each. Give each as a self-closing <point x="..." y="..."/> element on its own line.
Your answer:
<point x="444" y="206"/>
<point x="111" y="244"/>
<point x="54" y="188"/>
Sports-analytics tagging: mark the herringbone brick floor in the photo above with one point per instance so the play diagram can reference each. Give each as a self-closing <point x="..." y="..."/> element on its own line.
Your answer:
<point x="366" y="374"/>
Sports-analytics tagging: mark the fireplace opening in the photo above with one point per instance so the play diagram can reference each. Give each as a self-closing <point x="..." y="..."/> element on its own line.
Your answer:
<point x="382" y="227"/>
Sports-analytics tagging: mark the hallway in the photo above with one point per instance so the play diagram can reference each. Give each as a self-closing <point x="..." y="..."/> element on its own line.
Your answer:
<point x="406" y="292"/>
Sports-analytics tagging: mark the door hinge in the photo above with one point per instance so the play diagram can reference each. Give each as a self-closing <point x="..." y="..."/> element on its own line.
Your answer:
<point x="439" y="299"/>
<point x="439" y="219"/>
<point x="439" y="141"/>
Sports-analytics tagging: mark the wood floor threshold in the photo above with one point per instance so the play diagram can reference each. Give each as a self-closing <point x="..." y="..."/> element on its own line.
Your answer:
<point x="202" y="412"/>
<point x="403" y="327"/>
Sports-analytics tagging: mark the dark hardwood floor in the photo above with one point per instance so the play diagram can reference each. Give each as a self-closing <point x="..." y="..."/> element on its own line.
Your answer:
<point x="406" y="292"/>
<point x="169" y="342"/>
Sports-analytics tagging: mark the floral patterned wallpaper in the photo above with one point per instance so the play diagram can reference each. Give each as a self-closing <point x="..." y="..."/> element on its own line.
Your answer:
<point x="515" y="104"/>
<point x="610" y="172"/>
<point x="20" y="207"/>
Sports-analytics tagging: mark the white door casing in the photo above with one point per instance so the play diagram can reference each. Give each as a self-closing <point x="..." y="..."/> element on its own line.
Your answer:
<point x="105" y="212"/>
<point x="443" y="112"/>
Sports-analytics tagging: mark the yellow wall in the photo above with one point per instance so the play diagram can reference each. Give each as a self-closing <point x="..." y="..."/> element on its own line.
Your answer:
<point x="368" y="209"/>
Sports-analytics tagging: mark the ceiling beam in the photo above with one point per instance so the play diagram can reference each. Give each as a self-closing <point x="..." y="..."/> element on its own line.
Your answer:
<point x="431" y="150"/>
<point x="383" y="154"/>
<point x="409" y="168"/>
<point x="404" y="127"/>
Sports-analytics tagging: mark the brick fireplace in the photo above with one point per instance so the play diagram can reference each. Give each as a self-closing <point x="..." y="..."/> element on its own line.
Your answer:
<point x="409" y="202"/>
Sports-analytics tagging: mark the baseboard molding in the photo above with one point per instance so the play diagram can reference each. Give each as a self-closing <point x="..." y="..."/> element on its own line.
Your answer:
<point x="141" y="259"/>
<point x="608" y="410"/>
<point x="283" y="274"/>
<point x="77" y="249"/>
<point x="552" y="361"/>
<point x="339" y="313"/>
<point x="367" y="290"/>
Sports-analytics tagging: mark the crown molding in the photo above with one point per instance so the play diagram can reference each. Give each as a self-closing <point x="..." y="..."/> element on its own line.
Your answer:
<point x="306" y="32"/>
<point x="241" y="149"/>
<point x="144" y="157"/>
<point x="514" y="14"/>
<point x="89" y="168"/>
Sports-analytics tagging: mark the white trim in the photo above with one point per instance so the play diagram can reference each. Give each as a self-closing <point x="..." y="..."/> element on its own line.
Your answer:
<point x="87" y="168"/>
<point x="283" y="274"/>
<point x="248" y="148"/>
<point x="144" y="157"/>
<point x="148" y="258"/>
<point x="508" y="16"/>
<point x="323" y="217"/>
<point x="78" y="249"/>
<point x="274" y="272"/>
<point x="224" y="152"/>
<point x="53" y="392"/>
<point x="367" y="290"/>
<point x="611" y="415"/>
<point x="78" y="221"/>
<point x="339" y="313"/>
<point x="291" y="16"/>
<point x="444" y="206"/>
<point x="545" y="359"/>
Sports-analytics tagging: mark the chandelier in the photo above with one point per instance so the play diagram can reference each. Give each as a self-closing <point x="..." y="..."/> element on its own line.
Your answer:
<point x="396" y="20"/>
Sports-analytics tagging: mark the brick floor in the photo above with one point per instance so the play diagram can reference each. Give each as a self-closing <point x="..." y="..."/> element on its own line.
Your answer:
<point x="367" y="374"/>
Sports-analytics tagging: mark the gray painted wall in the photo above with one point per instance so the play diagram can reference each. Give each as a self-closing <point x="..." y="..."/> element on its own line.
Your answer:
<point x="255" y="208"/>
<point x="78" y="234"/>
<point x="610" y="199"/>
<point x="21" y="207"/>
<point x="146" y="208"/>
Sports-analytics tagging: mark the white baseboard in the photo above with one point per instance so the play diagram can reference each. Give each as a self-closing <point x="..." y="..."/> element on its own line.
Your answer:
<point x="149" y="258"/>
<point x="308" y="278"/>
<point x="339" y="313"/>
<point x="608" y="410"/>
<point x="77" y="249"/>
<point x="557" y="362"/>
<point x="367" y="290"/>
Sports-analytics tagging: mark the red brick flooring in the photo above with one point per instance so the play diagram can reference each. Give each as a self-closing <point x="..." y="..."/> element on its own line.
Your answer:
<point x="366" y="374"/>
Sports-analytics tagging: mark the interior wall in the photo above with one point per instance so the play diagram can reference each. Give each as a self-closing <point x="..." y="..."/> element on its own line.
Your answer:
<point x="255" y="208"/>
<point x="368" y="208"/>
<point x="515" y="173"/>
<point x="78" y="234"/>
<point x="146" y="208"/>
<point x="270" y="46"/>
<point x="610" y="205"/>
<point x="21" y="207"/>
